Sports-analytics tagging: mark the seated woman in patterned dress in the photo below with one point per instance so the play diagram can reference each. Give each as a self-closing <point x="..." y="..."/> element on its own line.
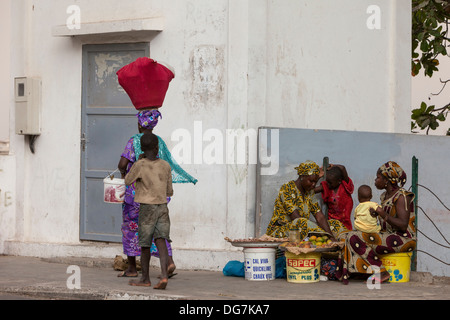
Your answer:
<point x="294" y="204"/>
<point x="362" y="250"/>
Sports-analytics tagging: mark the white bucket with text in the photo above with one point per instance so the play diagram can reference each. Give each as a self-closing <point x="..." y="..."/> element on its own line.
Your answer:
<point x="259" y="264"/>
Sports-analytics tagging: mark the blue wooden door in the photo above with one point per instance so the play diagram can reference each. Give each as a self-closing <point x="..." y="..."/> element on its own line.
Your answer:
<point x="107" y="122"/>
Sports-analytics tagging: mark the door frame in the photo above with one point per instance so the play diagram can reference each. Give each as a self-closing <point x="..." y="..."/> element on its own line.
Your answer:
<point x="84" y="139"/>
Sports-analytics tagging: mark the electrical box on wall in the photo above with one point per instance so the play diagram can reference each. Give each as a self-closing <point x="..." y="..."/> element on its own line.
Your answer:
<point x="27" y="94"/>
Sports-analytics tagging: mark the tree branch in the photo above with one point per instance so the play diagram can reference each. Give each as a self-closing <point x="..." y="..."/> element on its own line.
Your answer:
<point x="445" y="83"/>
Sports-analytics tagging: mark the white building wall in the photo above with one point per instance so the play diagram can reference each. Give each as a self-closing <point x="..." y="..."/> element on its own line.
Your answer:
<point x="287" y="63"/>
<point x="5" y="58"/>
<point x="11" y="38"/>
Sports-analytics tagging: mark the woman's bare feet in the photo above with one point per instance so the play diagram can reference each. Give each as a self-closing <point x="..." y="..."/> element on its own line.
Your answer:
<point x="161" y="284"/>
<point x="140" y="283"/>
<point x="170" y="271"/>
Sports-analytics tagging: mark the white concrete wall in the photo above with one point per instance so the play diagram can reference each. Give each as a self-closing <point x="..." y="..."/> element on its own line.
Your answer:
<point x="5" y="58"/>
<point x="11" y="38"/>
<point x="327" y="69"/>
<point x="239" y="64"/>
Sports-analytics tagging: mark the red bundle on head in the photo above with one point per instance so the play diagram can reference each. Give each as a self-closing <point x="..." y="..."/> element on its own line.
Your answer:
<point x="146" y="82"/>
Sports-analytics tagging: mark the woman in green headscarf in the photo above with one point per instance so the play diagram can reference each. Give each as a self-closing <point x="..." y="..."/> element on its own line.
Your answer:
<point x="296" y="202"/>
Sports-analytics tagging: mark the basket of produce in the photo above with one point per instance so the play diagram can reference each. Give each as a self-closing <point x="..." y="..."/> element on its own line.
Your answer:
<point x="314" y="242"/>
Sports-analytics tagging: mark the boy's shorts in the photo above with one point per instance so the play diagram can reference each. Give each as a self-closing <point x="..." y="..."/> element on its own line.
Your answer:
<point x="154" y="223"/>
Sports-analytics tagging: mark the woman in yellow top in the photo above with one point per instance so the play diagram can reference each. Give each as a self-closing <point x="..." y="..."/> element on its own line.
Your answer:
<point x="294" y="204"/>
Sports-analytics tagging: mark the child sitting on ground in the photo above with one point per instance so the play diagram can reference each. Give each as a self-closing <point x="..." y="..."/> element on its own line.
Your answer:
<point x="153" y="185"/>
<point x="364" y="221"/>
<point x="337" y="192"/>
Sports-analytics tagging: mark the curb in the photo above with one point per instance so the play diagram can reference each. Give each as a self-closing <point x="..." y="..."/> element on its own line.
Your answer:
<point x="52" y="294"/>
<point x="42" y="293"/>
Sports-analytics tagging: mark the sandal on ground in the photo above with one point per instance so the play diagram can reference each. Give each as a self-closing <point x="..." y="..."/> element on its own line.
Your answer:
<point x="124" y="274"/>
<point x="169" y="275"/>
<point x="377" y="278"/>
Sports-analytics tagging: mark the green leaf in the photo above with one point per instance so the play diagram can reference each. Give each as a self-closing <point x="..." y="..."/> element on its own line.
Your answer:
<point x="440" y="49"/>
<point x="420" y="36"/>
<point x="425" y="123"/>
<point x="429" y="109"/>
<point x="423" y="107"/>
<point x="434" y="23"/>
<point x="415" y="68"/>
<point x="434" y="124"/>
<point x="415" y="113"/>
<point x="424" y="46"/>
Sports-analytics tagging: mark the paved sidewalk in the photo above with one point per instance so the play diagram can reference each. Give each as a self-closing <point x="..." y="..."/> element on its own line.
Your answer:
<point x="48" y="279"/>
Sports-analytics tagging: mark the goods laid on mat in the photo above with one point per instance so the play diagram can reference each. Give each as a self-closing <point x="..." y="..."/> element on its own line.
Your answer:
<point x="312" y="243"/>
<point x="263" y="238"/>
<point x="263" y="241"/>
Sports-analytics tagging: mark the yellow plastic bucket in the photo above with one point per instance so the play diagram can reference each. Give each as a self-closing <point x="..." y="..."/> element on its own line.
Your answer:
<point x="398" y="265"/>
<point x="303" y="268"/>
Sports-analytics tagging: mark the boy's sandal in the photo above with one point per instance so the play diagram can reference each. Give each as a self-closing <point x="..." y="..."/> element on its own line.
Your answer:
<point x="169" y="275"/>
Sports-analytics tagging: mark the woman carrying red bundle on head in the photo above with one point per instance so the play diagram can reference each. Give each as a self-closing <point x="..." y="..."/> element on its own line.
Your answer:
<point x="336" y="193"/>
<point x="146" y="83"/>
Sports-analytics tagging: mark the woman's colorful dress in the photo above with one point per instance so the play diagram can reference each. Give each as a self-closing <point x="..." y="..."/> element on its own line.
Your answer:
<point x="130" y="209"/>
<point x="290" y="199"/>
<point x="363" y="250"/>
